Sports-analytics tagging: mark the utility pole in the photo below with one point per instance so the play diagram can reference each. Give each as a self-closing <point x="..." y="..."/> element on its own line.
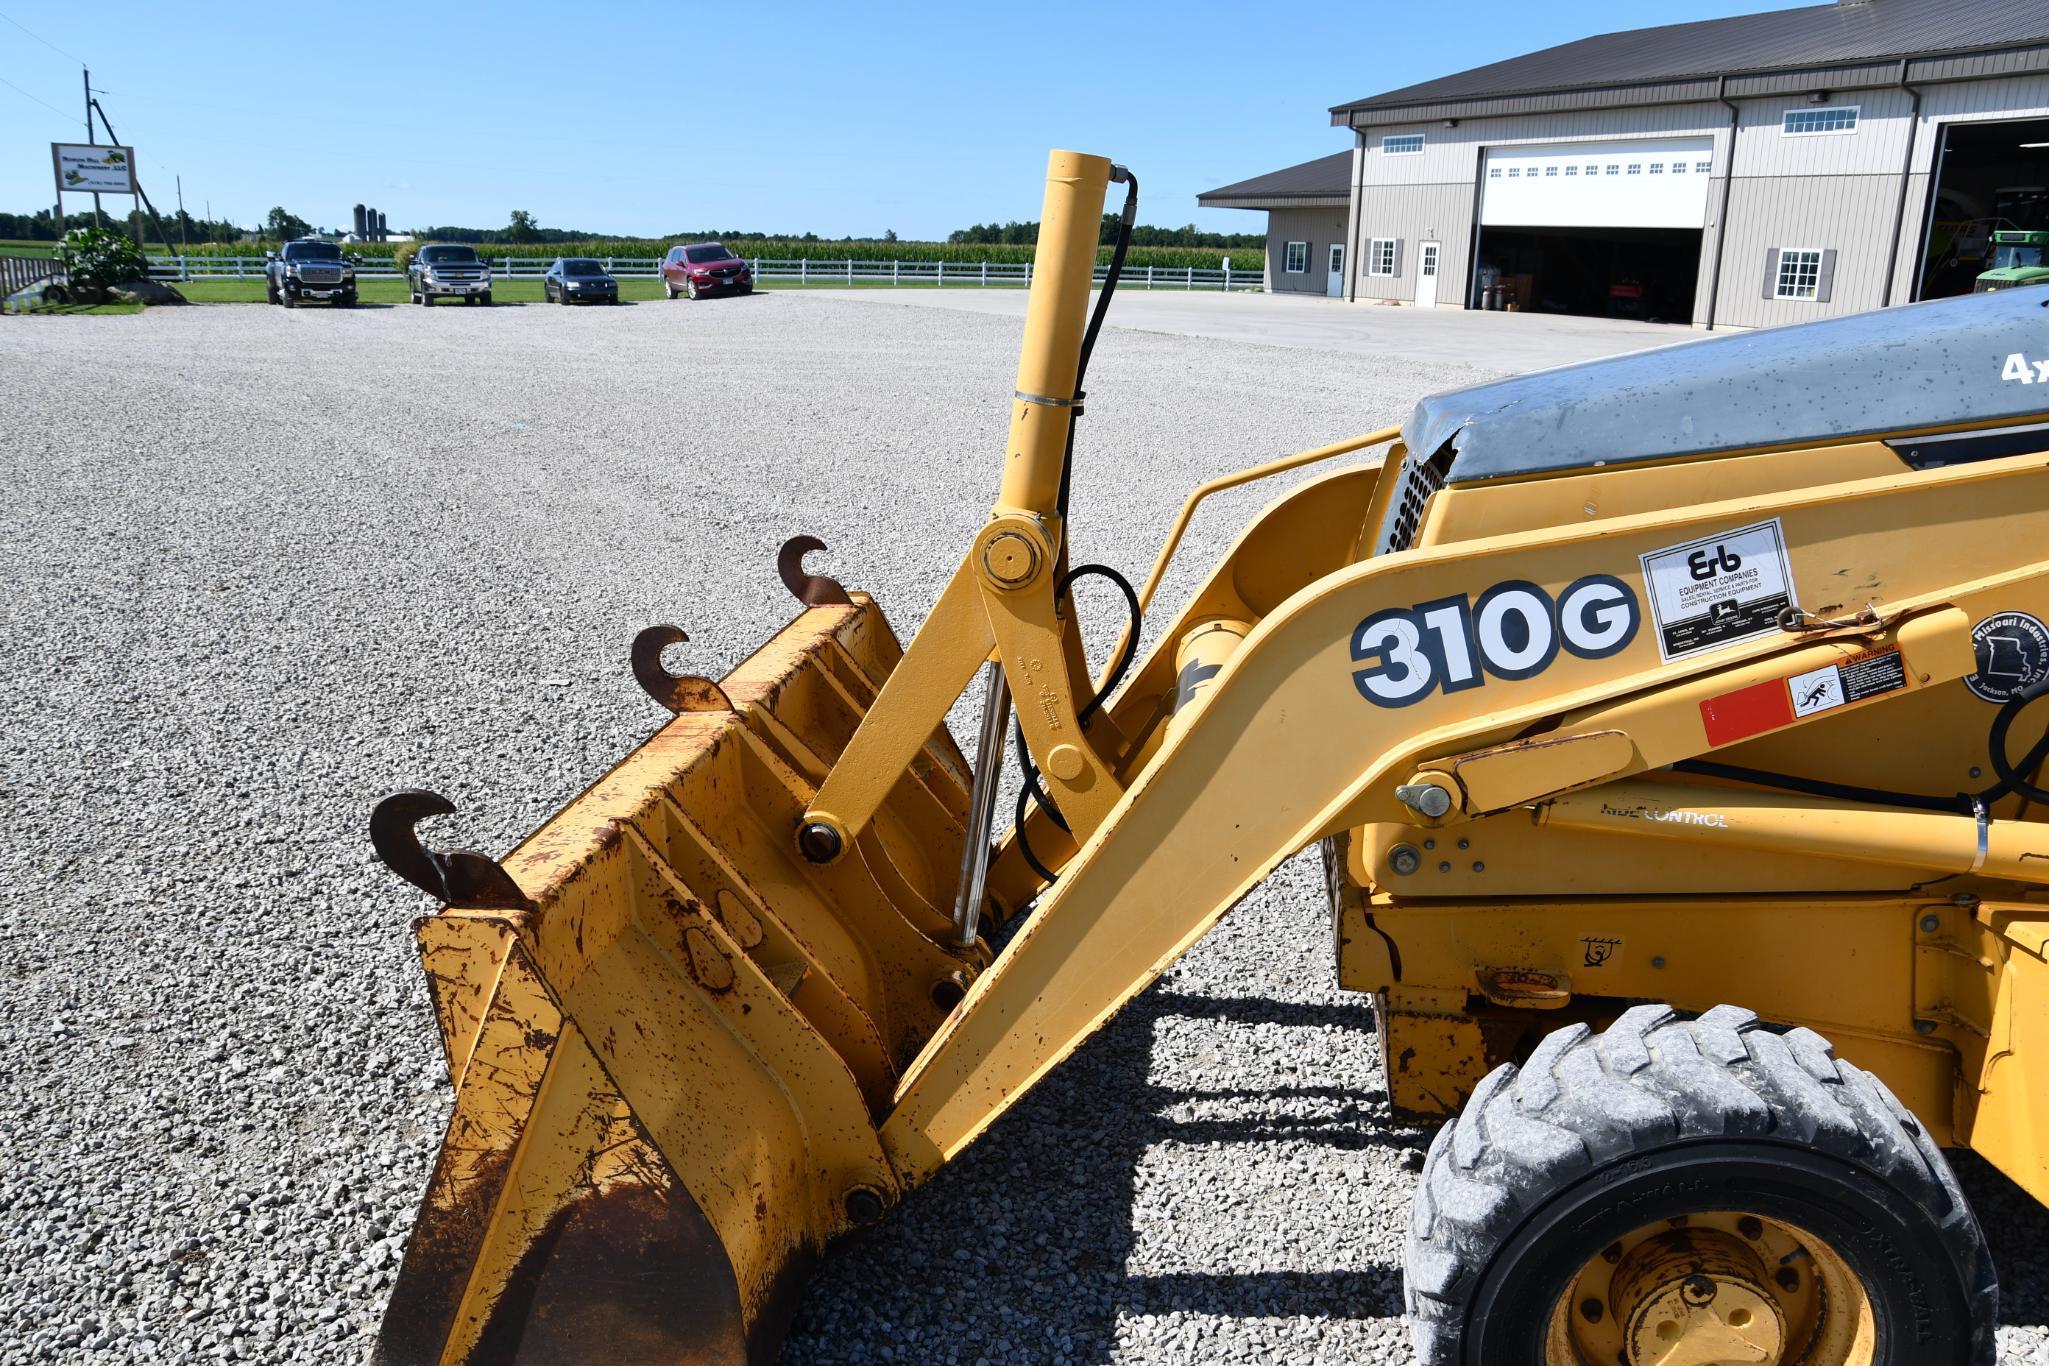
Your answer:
<point x="91" y="141"/>
<point x="135" y="215"/>
<point x="184" y="229"/>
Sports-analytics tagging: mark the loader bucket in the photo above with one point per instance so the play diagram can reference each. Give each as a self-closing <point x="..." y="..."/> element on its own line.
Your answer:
<point x="671" y="1036"/>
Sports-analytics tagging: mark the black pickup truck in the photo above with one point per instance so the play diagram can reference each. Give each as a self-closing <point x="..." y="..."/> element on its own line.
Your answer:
<point x="309" y="269"/>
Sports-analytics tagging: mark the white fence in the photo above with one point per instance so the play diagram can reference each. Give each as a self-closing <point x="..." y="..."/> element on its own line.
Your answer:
<point x="938" y="274"/>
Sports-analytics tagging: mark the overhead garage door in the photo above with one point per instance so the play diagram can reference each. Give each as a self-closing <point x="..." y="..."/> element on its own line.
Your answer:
<point x="1652" y="183"/>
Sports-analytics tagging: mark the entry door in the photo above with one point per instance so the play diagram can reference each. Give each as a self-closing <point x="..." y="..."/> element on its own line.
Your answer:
<point x="1336" y="288"/>
<point x="1426" y="274"/>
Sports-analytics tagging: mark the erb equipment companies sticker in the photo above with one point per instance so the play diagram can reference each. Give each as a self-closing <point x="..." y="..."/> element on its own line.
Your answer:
<point x="2013" y="655"/>
<point x="1719" y="590"/>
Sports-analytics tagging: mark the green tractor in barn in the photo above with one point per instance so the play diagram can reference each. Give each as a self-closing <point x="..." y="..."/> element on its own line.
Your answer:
<point x="2019" y="257"/>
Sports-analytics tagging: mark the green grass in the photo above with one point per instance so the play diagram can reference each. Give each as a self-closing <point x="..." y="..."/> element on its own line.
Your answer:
<point x="10" y="246"/>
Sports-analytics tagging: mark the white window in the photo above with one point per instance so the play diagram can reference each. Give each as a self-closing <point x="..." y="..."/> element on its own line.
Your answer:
<point x="1702" y="167"/>
<point x="1572" y="170"/>
<point x="1380" y="256"/>
<point x="1514" y="171"/>
<point x="1657" y="168"/>
<point x="1803" y="122"/>
<point x="1401" y="144"/>
<point x="1614" y="169"/>
<point x="1593" y="170"/>
<point x="1494" y="172"/>
<point x="1550" y="170"/>
<point x="1636" y="168"/>
<point x="1297" y="259"/>
<point x="1799" y="273"/>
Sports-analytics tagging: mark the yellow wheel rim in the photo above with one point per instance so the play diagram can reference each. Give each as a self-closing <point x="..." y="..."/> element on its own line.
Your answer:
<point x="1721" y="1288"/>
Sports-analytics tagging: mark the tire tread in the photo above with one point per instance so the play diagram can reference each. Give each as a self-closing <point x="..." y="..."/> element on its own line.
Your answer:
<point x="1651" y="1079"/>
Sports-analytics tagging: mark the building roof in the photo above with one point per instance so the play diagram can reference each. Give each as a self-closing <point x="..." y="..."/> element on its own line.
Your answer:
<point x="1324" y="182"/>
<point x="1818" y="36"/>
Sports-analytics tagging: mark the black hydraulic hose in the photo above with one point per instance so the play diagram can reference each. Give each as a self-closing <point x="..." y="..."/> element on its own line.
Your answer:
<point x="2010" y="779"/>
<point x="1130" y="650"/>
<point x="1088" y="337"/>
<point x="1030" y="790"/>
<point x="1815" y="787"/>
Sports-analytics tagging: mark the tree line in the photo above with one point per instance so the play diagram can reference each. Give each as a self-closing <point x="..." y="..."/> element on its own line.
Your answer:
<point x="281" y="225"/>
<point x="182" y="227"/>
<point x="1142" y="235"/>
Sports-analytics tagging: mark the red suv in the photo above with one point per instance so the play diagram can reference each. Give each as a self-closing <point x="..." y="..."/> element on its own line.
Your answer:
<point x="705" y="268"/>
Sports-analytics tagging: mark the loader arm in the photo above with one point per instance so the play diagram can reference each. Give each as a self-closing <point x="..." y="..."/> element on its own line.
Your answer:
<point x="715" y="1013"/>
<point x="1288" y="745"/>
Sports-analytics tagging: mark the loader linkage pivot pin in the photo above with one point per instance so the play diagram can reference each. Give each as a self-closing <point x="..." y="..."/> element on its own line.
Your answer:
<point x="819" y="843"/>
<point x="813" y="590"/>
<point x="677" y="692"/>
<point x="459" y="878"/>
<point x="1425" y="799"/>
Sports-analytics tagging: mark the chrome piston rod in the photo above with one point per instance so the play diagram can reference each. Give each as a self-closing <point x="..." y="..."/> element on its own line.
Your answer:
<point x="974" y="854"/>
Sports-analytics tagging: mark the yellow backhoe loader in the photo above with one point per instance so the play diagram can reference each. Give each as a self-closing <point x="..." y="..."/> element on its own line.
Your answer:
<point x="1661" y="719"/>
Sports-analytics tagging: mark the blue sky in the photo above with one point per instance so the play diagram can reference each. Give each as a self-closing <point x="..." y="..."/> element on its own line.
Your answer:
<point x="837" y="119"/>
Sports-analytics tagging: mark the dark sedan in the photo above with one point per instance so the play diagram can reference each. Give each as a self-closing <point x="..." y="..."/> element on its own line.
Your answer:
<point x="578" y="280"/>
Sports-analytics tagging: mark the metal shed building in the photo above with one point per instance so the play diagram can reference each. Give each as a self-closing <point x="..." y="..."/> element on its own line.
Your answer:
<point x="1749" y="171"/>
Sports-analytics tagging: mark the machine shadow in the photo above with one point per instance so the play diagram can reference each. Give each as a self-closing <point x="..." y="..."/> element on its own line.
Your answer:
<point x="1037" y="1216"/>
<point x="2017" y="1227"/>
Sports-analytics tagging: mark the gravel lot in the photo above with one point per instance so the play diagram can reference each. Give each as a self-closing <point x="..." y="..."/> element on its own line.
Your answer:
<point x="268" y="565"/>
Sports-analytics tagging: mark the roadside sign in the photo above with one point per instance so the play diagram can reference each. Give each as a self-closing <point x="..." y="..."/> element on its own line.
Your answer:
<point x="83" y="169"/>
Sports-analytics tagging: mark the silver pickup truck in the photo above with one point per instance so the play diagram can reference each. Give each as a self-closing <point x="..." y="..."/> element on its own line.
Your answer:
<point x="443" y="268"/>
<point x="309" y="269"/>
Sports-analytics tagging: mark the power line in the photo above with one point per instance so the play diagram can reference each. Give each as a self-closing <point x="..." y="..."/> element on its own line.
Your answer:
<point x="44" y="41"/>
<point x="24" y="94"/>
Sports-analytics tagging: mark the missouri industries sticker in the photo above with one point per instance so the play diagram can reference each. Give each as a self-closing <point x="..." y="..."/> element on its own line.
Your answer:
<point x="1719" y="590"/>
<point x="2013" y="655"/>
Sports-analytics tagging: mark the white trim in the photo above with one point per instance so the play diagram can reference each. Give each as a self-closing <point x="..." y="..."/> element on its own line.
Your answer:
<point x="1779" y="278"/>
<point x="1855" y="111"/>
<point x="1288" y="266"/>
<point x="1403" y="151"/>
<point x="1374" y="253"/>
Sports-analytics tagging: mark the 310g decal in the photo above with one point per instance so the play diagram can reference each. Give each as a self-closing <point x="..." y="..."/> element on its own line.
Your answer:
<point x="1513" y="631"/>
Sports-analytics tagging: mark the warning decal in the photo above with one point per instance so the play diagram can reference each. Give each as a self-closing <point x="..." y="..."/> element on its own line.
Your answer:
<point x="1719" y="590"/>
<point x="1780" y="702"/>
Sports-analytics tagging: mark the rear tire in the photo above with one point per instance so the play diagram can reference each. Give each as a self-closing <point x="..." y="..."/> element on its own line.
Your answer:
<point x="1552" y="1163"/>
<point x="668" y="289"/>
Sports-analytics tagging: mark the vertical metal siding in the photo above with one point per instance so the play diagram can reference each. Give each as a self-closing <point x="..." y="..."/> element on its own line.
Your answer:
<point x="1453" y="154"/>
<point x="2017" y="98"/>
<point x="1851" y="215"/>
<point x="1875" y="148"/>
<point x="1417" y="213"/>
<point x="1319" y="228"/>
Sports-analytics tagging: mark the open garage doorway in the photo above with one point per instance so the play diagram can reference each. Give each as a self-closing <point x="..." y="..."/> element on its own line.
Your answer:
<point x="1601" y="229"/>
<point x="1989" y="176"/>
<point x="1645" y="274"/>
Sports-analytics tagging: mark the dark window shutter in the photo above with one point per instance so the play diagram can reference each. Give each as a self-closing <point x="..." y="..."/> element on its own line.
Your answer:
<point x="1771" y="273"/>
<point x="1827" y="279"/>
<point x="1397" y="256"/>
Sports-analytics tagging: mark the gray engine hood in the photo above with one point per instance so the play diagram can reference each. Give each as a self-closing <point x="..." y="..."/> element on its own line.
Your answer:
<point x="1919" y="366"/>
